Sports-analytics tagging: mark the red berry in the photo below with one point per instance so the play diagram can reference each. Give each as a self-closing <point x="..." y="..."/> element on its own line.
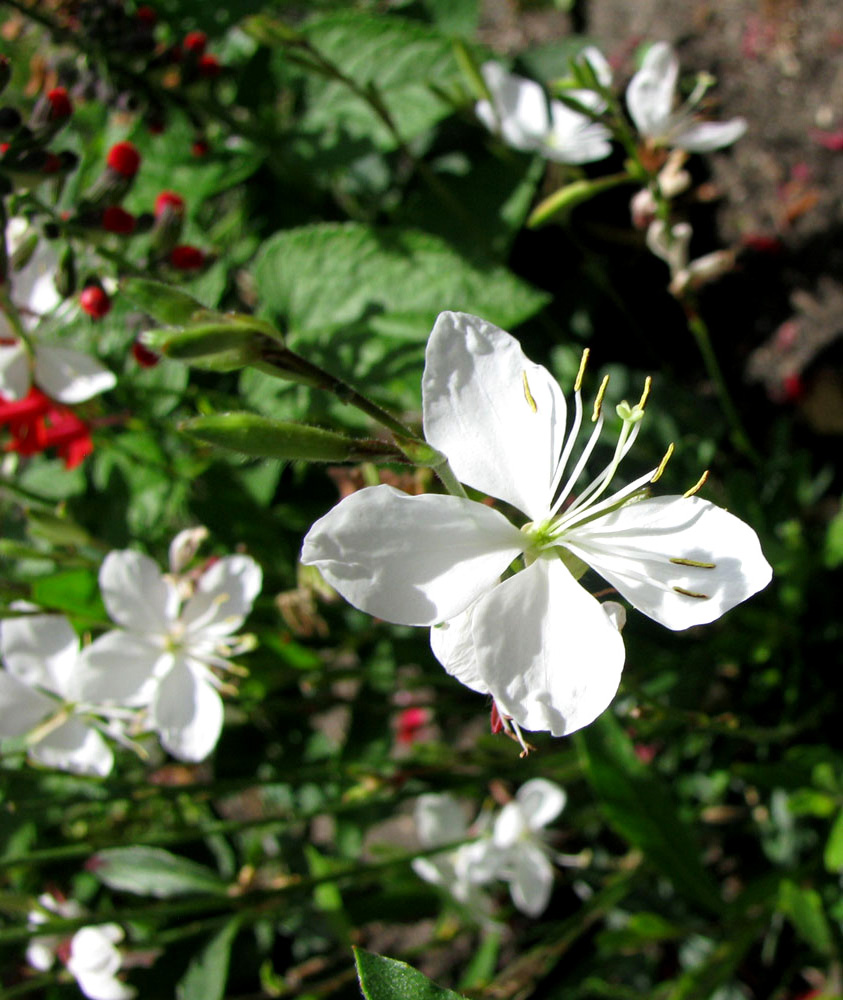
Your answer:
<point x="124" y="158"/>
<point x="60" y="104"/>
<point x="200" y="148"/>
<point x="195" y="42"/>
<point x="94" y="301"/>
<point x="144" y="357"/>
<point x="209" y="66"/>
<point x="146" y="15"/>
<point x="186" y="257"/>
<point x="117" y="220"/>
<point x="169" y="200"/>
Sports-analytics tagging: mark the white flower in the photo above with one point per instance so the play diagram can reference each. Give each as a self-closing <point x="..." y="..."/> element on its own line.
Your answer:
<point x="524" y="861"/>
<point x="538" y="642"/>
<point x="520" y="112"/>
<point x="66" y="375"/>
<point x="44" y="697"/>
<point x="42" y="950"/>
<point x="165" y="655"/>
<point x="650" y="98"/>
<point x="95" y="961"/>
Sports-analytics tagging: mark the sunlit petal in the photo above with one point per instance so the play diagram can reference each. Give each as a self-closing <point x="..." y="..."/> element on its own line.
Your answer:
<point x="135" y="593"/>
<point x="651" y="91"/>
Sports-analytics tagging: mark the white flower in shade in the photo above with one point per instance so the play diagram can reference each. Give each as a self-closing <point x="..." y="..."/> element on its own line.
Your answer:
<point x="537" y="641"/>
<point x="520" y="112"/>
<point x="651" y="95"/>
<point x="517" y="835"/>
<point x="440" y="819"/>
<point x="95" y="961"/>
<point x="63" y="374"/>
<point x="44" y="698"/>
<point x="42" y="950"/>
<point x="174" y="637"/>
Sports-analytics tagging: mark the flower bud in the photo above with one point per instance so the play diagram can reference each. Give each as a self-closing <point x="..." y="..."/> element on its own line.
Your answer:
<point x="209" y="66"/>
<point x="195" y="42"/>
<point x="124" y="159"/>
<point x="185" y="546"/>
<point x="65" y="276"/>
<point x="95" y="301"/>
<point x="144" y="357"/>
<point x="187" y="258"/>
<point x="216" y="346"/>
<point x="117" y="220"/>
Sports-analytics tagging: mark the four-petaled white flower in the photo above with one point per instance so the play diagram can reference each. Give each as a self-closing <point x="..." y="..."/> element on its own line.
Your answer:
<point x="650" y="97"/>
<point x="537" y="641"/>
<point x="520" y="112"/>
<point x="63" y="374"/>
<point x="44" y="696"/>
<point x="168" y="649"/>
<point x="522" y="852"/>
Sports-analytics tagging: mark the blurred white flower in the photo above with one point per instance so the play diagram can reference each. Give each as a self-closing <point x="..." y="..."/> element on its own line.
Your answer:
<point x="522" y="115"/>
<point x="44" y="697"/>
<point x="63" y="374"/>
<point x="651" y="95"/>
<point x="537" y="641"/>
<point x="523" y="859"/>
<point x="166" y="653"/>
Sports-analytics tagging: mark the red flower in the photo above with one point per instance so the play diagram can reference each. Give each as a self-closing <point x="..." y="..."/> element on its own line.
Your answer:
<point x="37" y="423"/>
<point x="195" y="42"/>
<point x="209" y="66"/>
<point x="124" y="159"/>
<point x="60" y="103"/>
<point x="185" y="257"/>
<point x="169" y="201"/>
<point x="117" y="220"/>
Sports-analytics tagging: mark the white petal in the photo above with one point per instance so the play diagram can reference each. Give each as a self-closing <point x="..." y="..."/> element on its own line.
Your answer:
<point x="499" y="418"/>
<point x="119" y="668"/>
<point x="704" y="136"/>
<point x="541" y="802"/>
<point x="636" y="548"/>
<point x="440" y="819"/>
<point x="573" y="138"/>
<point x="548" y="652"/>
<point x="437" y="870"/>
<point x="135" y="593"/>
<point x="650" y="93"/>
<point x="224" y="596"/>
<point x="510" y="826"/>
<point x="453" y="645"/>
<point x="40" y="649"/>
<point x="518" y="111"/>
<point x="531" y="881"/>
<point x="94" y="961"/>
<point x="479" y="862"/>
<point x="411" y="560"/>
<point x="74" y="747"/>
<point x="15" y="376"/>
<point x="187" y="714"/>
<point x="21" y="708"/>
<point x="598" y="62"/>
<point x="97" y="987"/>
<point x="70" y="376"/>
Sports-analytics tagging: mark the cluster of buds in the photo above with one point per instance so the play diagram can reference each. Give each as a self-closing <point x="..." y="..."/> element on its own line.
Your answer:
<point x="37" y="423"/>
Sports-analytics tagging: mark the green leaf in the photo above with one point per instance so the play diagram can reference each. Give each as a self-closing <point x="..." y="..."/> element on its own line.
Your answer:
<point x="804" y="909"/>
<point x="833" y="555"/>
<point x="74" y="591"/>
<point x="163" y="302"/>
<point x="387" y="979"/>
<point x="327" y="276"/>
<point x="639" y="808"/>
<point x="152" y="871"/>
<point x="833" y="854"/>
<point x="207" y="973"/>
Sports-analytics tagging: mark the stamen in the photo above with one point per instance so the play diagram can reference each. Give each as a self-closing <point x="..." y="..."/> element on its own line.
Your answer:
<point x="581" y="372"/>
<point x="642" y="402"/>
<point x="569" y="443"/>
<point x="694" y="563"/>
<point x="691" y="593"/>
<point x="698" y="486"/>
<point x="598" y="402"/>
<point x="527" y="394"/>
<point x="662" y="465"/>
<point x="578" y="468"/>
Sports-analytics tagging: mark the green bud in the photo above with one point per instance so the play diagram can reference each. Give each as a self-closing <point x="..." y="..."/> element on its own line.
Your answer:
<point x="65" y="276"/>
<point x="24" y="251"/>
<point x="163" y="302"/>
<point x="215" y="346"/>
<point x="420" y="452"/>
<point x="261" y="437"/>
<point x="55" y="529"/>
<point x="558" y="206"/>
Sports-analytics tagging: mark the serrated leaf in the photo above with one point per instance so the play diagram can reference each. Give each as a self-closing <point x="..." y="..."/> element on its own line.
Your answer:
<point x="641" y="810"/>
<point x="207" y="973"/>
<point x="384" y="978"/>
<point x="152" y="871"/>
<point x="327" y="276"/>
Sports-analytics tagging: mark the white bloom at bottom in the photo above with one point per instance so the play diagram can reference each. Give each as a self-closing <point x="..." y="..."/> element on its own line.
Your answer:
<point x="95" y="961"/>
<point x="537" y="641"/>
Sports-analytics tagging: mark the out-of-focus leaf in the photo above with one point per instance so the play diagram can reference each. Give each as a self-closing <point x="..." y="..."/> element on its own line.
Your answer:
<point x="152" y="871"/>
<point x="833" y="555"/>
<point x="833" y="854"/>
<point x="640" y="809"/>
<point x="164" y="303"/>
<point x="207" y="973"/>
<point x="804" y="909"/>
<point x="74" y="591"/>
<point x="384" y="978"/>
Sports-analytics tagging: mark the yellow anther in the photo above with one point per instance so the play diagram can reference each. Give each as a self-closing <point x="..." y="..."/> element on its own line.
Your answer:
<point x="691" y="593"/>
<point x="598" y="403"/>
<point x="527" y="394"/>
<point x="699" y="485"/>
<point x="694" y="563"/>
<point x="581" y="372"/>
<point x="662" y="465"/>
<point x="642" y="402"/>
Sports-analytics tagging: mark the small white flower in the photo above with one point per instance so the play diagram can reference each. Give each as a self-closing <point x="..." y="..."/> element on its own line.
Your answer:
<point x="63" y="374"/>
<point x="517" y="835"/>
<point x="537" y="641"/>
<point x="95" y="961"/>
<point x="520" y="112"/>
<point x="44" y="697"/>
<point x="650" y="97"/>
<point x="42" y="950"/>
<point x="165" y="655"/>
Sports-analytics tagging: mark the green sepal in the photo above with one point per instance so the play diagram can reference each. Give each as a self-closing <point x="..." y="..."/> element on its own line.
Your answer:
<point x="163" y="302"/>
<point x="261" y="437"/>
<point x="217" y="346"/>
<point x="420" y="452"/>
